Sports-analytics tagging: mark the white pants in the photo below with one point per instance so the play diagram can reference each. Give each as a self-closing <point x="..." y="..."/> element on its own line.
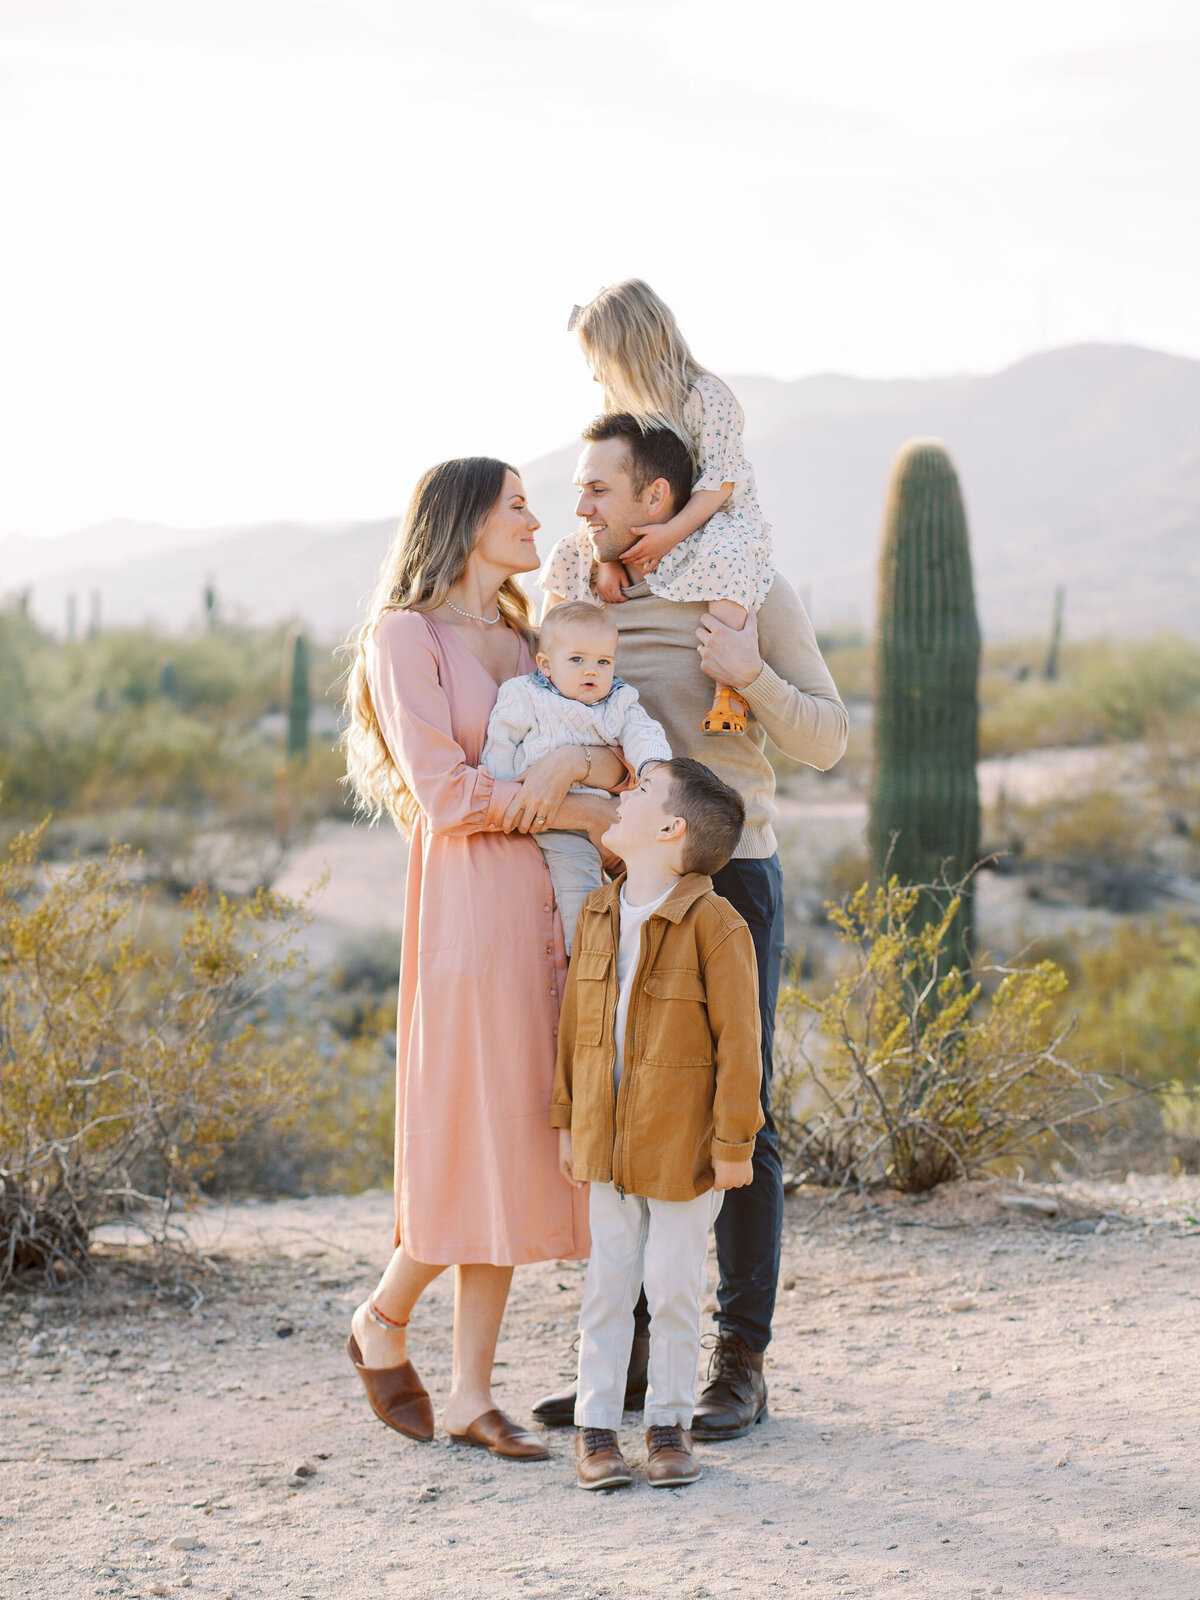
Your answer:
<point x="663" y="1244"/>
<point x="575" y="870"/>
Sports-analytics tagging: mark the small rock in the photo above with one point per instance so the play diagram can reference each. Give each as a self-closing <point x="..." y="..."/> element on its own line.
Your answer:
<point x="39" y="1345"/>
<point x="1102" y="1226"/>
<point x="304" y="1470"/>
<point x="284" y="1329"/>
<point x="1044" y="1203"/>
<point x="157" y="1588"/>
<point x="966" y="1304"/>
<point x="428" y="1492"/>
<point x="182" y="1582"/>
<point x="185" y="1541"/>
<point x="789" y="1283"/>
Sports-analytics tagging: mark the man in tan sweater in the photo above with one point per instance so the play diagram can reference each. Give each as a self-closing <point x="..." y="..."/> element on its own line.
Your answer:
<point x="671" y="653"/>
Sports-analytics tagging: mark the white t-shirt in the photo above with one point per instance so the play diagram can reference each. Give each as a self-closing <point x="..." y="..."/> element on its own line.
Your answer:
<point x="629" y="948"/>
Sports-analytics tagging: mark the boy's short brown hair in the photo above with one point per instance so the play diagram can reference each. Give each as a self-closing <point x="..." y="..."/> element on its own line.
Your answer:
<point x="715" y="814"/>
<point x="574" y="613"/>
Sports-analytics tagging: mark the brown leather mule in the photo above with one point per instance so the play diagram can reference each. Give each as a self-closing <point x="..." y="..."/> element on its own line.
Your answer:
<point x="503" y="1437"/>
<point x="397" y="1396"/>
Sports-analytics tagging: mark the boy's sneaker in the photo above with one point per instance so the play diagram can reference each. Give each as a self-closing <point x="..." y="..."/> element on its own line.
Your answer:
<point x="671" y="1460"/>
<point x="598" y="1460"/>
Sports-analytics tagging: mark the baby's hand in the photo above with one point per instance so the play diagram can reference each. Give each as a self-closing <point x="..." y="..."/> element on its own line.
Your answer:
<point x="732" y="1174"/>
<point x="610" y="576"/>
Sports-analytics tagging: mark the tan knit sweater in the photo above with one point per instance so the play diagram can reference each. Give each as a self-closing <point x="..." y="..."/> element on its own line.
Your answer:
<point x="793" y="698"/>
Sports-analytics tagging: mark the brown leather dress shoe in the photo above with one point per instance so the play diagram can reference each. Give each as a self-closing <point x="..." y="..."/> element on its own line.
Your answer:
<point x="735" y="1398"/>
<point x="558" y="1410"/>
<point x="671" y="1460"/>
<point x="599" y="1463"/>
<point x="503" y="1437"/>
<point x="397" y="1395"/>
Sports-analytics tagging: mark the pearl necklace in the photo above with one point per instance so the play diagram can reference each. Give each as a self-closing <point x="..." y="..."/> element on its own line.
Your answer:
<point x="488" y="621"/>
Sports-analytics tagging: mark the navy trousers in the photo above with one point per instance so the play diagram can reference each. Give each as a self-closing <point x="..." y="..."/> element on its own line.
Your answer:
<point x="750" y="1225"/>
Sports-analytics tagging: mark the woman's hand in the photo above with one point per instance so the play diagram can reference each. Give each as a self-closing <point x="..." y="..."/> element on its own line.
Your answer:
<point x="565" y="1164"/>
<point x="544" y="787"/>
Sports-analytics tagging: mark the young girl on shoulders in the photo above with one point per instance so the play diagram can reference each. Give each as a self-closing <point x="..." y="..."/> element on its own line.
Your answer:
<point x="717" y="547"/>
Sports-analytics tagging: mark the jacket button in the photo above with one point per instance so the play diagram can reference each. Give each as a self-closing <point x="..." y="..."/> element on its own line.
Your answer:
<point x="545" y="908"/>
<point x="554" y="991"/>
<point x="556" y="1033"/>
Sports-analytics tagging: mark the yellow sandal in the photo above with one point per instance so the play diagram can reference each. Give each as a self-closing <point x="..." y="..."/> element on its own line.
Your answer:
<point x="728" y="713"/>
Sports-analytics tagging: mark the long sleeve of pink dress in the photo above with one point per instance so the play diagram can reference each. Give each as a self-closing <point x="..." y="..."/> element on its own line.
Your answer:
<point x="481" y="976"/>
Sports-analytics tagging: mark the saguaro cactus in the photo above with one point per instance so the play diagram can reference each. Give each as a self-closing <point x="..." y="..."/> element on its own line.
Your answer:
<point x="925" y="793"/>
<point x="1050" y="670"/>
<point x="298" y="700"/>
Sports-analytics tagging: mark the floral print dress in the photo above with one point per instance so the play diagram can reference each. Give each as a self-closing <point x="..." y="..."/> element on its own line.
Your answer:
<point x="729" y="558"/>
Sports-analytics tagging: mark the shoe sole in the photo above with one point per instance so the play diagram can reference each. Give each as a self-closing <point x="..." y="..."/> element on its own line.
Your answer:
<point x="673" y="1483"/>
<point x="707" y="1436"/>
<point x="616" y="1482"/>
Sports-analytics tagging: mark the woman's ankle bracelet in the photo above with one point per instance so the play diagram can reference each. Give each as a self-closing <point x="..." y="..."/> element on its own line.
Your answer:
<point x="378" y="1316"/>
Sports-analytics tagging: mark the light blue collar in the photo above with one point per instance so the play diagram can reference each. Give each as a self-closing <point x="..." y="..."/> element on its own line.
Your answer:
<point x="543" y="682"/>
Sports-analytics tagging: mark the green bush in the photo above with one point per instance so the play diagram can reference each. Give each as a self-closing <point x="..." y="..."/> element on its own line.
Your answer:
<point x="1107" y="690"/>
<point x="907" y="1073"/>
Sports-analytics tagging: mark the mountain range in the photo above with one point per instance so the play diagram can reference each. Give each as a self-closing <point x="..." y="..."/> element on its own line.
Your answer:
<point x="1079" y="466"/>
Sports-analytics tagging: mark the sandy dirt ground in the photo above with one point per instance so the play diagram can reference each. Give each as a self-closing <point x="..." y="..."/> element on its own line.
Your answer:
<point x="967" y="1400"/>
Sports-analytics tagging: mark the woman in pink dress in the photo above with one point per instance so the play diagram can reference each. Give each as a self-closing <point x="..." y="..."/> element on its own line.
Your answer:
<point x="483" y="964"/>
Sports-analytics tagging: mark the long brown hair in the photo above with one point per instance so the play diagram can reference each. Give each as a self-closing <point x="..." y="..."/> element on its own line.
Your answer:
<point x="427" y="557"/>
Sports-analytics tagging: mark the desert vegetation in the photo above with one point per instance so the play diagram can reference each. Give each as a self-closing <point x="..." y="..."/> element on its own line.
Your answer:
<point x="162" y="1034"/>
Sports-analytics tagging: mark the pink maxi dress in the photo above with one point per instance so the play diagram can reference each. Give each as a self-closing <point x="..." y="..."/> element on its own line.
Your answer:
<point x="481" y="976"/>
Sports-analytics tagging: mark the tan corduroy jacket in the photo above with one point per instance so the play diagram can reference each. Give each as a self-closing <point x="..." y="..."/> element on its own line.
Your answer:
<point x="693" y="1067"/>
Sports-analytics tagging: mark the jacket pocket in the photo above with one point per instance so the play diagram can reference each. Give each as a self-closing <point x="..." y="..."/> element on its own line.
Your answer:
<point x="591" y="969"/>
<point x="677" y="1031"/>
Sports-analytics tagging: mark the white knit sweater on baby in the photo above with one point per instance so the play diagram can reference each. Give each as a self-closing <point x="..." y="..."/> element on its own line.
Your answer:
<point x="531" y="718"/>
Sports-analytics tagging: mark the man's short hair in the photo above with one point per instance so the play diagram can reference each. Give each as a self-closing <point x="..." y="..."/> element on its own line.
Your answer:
<point x="575" y="614"/>
<point x="654" y="452"/>
<point x="715" y="814"/>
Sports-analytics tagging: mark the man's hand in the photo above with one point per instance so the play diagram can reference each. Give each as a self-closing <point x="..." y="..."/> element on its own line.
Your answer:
<point x="610" y="580"/>
<point x="726" y="1174"/>
<point x="544" y="787"/>
<point x="565" y="1165"/>
<point x="652" y="545"/>
<point x="729" y="655"/>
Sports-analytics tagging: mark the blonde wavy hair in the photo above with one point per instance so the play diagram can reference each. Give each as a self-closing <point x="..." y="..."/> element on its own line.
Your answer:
<point x="427" y="556"/>
<point x="633" y="345"/>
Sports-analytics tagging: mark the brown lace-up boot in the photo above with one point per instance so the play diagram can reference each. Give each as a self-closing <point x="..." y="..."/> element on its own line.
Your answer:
<point x="735" y="1397"/>
<point x="671" y="1460"/>
<point x="558" y="1410"/>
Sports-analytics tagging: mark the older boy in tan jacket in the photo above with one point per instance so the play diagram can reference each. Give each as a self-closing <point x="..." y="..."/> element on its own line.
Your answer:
<point x="656" y="1096"/>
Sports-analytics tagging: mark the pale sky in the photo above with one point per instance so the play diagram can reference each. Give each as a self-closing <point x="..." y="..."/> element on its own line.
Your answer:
<point x="274" y="257"/>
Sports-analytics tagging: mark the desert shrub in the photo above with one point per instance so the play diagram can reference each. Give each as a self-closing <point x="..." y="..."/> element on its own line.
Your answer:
<point x="127" y="1065"/>
<point x="909" y="1072"/>
<point x="1096" y="847"/>
<point x="1138" y="1002"/>
<point x="1173" y="767"/>
<point x="97" y="725"/>
<point x="343" y="1138"/>
<point x="1108" y="690"/>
